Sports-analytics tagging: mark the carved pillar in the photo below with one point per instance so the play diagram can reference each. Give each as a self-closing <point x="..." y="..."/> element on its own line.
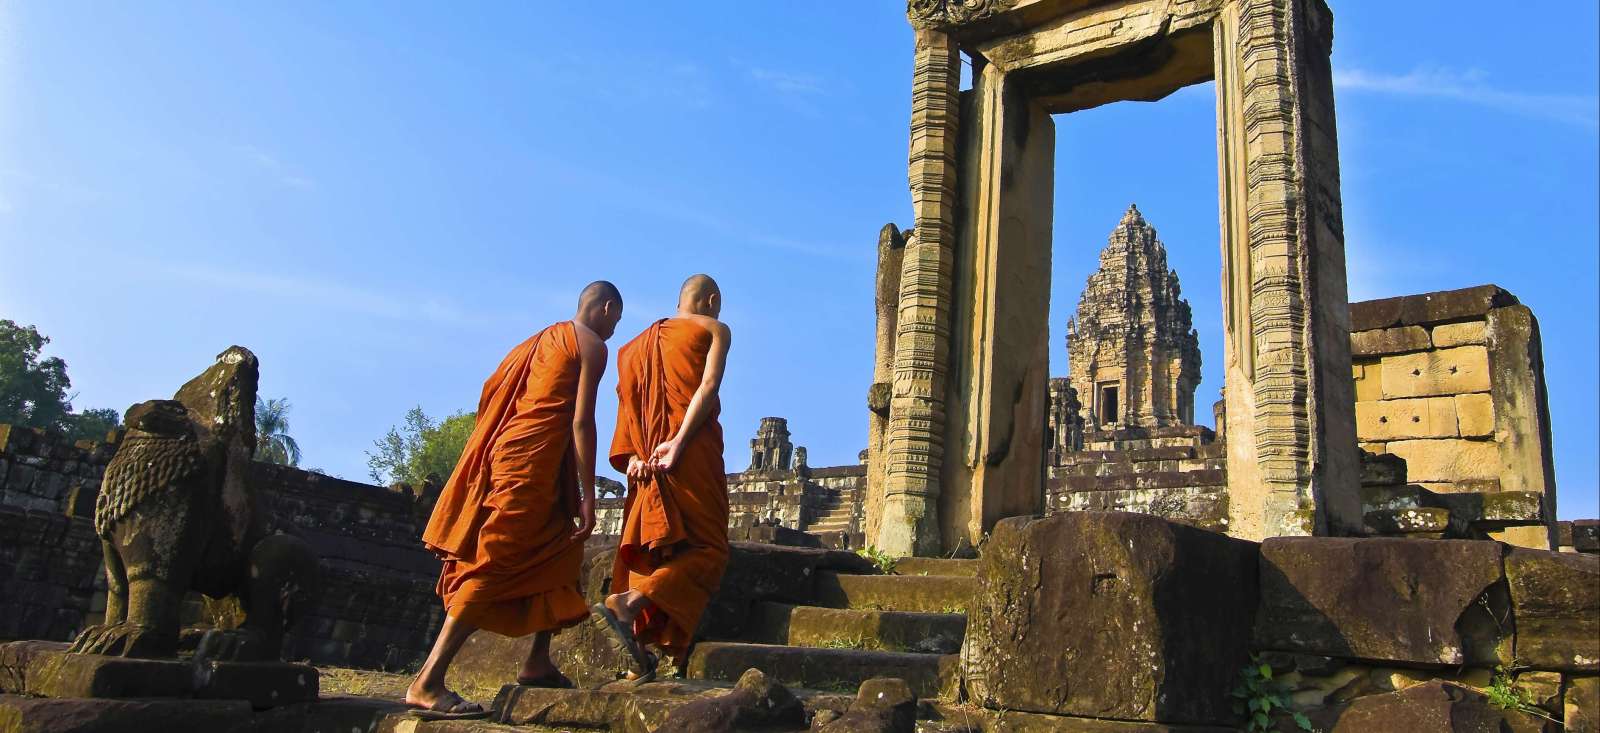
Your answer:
<point x="994" y="463"/>
<point x="1292" y="461"/>
<point x="886" y="299"/>
<point x="908" y="521"/>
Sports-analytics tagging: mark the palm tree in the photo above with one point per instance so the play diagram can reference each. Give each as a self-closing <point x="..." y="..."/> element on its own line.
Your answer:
<point x="273" y="443"/>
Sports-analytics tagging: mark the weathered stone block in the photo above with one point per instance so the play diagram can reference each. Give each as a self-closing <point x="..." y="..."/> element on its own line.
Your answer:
<point x="882" y="705"/>
<point x="1586" y="535"/>
<point x="1369" y="381"/>
<point x="1433" y="707"/>
<point x="35" y="715"/>
<point x="1422" y="417"/>
<point x="1581" y="701"/>
<point x="50" y="672"/>
<point x="1441" y="372"/>
<point x="1384" y="600"/>
<point x="1474" y="415"/>
<point x="1556" y="599"/>
<point x="1380" y="341"/>
<point x="1382" y="469"/>
<point x="1430" y="521"/>
<point x="1447" y="335"/>
<point x="1110" y="615"/>
<point x="1447" y="460"/>
<point x="1428" y="308"/>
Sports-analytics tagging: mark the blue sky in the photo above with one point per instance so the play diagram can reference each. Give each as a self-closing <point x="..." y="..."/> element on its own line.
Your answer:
<point x="381" y="198"/>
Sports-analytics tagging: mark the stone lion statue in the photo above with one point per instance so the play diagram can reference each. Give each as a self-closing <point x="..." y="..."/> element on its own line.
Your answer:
<point x="175" y="513"/>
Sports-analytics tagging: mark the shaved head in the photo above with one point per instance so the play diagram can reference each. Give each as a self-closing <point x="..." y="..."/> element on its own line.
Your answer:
<point x="600" y="307"/>
<point x="697" y="287"/>
<point x="599" y="291"/>
<point x="700" y="295"/>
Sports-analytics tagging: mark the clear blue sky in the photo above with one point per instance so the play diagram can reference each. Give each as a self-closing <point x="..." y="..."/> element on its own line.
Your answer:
<point x="381" y="198"/>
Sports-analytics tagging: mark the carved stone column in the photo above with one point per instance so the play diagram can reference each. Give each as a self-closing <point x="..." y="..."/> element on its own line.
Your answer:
<point x="1292" y="461"/>
<point x="886" y="299"/>
<point x="908" y="521"/>
<point x="994" y="464"/>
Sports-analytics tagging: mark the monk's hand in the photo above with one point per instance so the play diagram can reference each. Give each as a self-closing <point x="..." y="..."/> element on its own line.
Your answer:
<point x="637" y="468"/>
<point x="665" y="455"/>
<point x="585" y="516"/>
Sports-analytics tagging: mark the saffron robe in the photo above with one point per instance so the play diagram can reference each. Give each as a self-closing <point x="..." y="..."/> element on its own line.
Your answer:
<point x="674" y="543"/>
<point x="504" y="522"/>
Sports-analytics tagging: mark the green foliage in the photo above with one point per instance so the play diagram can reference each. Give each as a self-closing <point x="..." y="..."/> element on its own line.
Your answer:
<point x="273" y="443"/>
<point x="1506" y="694"/>
<point x="849" y="642"/>
<point x="1260" y="701"/>
<point x="879" y="558"/>
<point x="93" y="424"/>
<point x="421" y="448"/>
<point x="33" y="391"/>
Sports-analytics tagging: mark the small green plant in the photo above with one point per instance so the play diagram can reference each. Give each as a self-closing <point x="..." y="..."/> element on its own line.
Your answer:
<point x="878" y="557"/>
<point x="1506" y="694"/>
<point x="849" y="642"/>
<point x="1260" y="700"/>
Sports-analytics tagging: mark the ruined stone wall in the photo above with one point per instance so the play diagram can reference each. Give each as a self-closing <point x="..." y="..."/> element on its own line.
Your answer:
<point x="49" y="568"/>
<point x="1359" y="633"/>
<point x="1452" y="382"/>
<point x="49" y="555"/>
<point x="827" y="499"/>
<point x="46" y="472"/>
<point x="378" y="607"/>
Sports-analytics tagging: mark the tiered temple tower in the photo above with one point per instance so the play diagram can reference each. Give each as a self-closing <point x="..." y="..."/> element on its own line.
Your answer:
<point x="1132" y="353"/>
<point x="771" y="449"/>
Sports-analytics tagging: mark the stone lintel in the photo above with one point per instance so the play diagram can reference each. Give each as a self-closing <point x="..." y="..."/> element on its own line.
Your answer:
<point x="1429" y="308"/>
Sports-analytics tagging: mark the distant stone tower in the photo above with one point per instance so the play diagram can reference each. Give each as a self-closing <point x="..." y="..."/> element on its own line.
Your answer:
<point x="1132" y="353"/>
<point x="771" y="449"/>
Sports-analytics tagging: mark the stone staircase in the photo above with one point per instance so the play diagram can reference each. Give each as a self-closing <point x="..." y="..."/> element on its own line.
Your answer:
<point x="833" y="523"/>
<point x="1177" y="473"/>
<point x="909" y="625"/>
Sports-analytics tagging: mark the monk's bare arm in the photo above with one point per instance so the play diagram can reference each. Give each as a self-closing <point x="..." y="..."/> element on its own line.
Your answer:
<point x="593" y="366"/>
<point x="704" y="396"/>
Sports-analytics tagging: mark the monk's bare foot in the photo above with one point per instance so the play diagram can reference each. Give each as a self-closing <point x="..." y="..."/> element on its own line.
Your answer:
<point x="419" y="695"/>
<point x="625" y="606"/>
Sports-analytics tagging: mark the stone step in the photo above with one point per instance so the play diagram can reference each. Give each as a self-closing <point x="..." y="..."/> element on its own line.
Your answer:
<point x="924" y="593"/>
<point x="1123" y="468"/>
<point x="1141" y="481"/>
<point x="844" y="628"/>
<point x="935" y="566"/>
<point x="838" y="670"/>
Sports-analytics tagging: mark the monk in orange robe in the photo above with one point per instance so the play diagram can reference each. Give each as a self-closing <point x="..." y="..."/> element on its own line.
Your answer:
<point x="674" y="543"/>
<point x="511" y="522"/>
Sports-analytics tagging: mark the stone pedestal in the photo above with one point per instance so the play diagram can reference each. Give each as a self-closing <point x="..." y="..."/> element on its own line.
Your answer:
<point x="1110" y="615"/>
<point x="47" y="670"/>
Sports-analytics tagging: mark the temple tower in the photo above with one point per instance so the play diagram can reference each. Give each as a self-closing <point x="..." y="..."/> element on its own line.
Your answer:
<point x="1133" y="354"/>
<point x="771" y="449"/>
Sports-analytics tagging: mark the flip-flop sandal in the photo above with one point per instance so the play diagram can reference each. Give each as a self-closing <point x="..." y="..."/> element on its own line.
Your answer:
<point x="645" y="661"/>
<point x="552" y="680"/>
<point x="449" y="707"/>
<point x="639" y="678"/>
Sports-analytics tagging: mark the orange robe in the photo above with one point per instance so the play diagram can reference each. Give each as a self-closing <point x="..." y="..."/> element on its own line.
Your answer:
<point x="674" y="543"/>
<point x="504" y="522"/>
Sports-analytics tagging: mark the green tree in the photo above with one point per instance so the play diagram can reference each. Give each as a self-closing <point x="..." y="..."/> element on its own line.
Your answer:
<point x="93" y="424"/>
<point x="409" y="454"/>
<point x="33" y="391"/>
<point x="273" y="442"/>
